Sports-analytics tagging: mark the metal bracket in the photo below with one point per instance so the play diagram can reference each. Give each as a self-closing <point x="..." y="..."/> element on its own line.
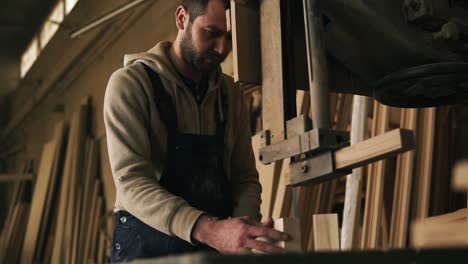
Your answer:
<point x="312" y="141"/>
<point x="320" y="167"/>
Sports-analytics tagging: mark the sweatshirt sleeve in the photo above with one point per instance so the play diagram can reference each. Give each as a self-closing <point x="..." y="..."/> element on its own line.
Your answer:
<point x="127" y="122"/>
<point x="244" y="175"/>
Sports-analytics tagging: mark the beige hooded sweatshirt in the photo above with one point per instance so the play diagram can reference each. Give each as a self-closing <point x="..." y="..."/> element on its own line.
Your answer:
<point x="136" y="139"/>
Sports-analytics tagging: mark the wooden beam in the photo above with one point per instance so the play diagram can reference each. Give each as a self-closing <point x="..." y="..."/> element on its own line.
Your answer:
<point x="352" y="202"/>
<point x="273" y="114"/>
<point x="457" y="216"/>
<point x="245" y="26"/>
<point x="375" y="179"/>
<point x="374" y="149"/>
<point x="12" y="177"/>
<point x="436" y="235"/>
<point x="403" y="184"/>
<point x="326" y="235"/>
<point x="38" y="200"/>
<point x="269" y="176"/>
<point x="424" y="160"/>
<point x="291" y="227"/>
<point x="460" y="176"/>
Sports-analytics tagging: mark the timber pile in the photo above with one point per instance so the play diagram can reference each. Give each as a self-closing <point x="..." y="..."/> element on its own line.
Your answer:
<point x="64" y="220"/>
<point x="394" y="192"/>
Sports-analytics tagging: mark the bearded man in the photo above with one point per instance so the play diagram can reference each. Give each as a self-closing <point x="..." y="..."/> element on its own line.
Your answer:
<point x="180" y="147"/>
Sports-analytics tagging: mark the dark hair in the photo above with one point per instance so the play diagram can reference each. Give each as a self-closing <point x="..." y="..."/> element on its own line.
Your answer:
<point x="197" y="8"/>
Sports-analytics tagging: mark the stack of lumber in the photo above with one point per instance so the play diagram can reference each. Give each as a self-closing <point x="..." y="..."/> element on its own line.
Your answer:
<point x="394" y="192"/>
<point x="447" y="230"/>
<point x="67" y="221"/>
<point x="14" y="227"/>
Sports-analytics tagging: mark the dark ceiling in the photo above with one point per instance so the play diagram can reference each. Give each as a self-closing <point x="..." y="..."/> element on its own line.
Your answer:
<point x="19" y="21"/>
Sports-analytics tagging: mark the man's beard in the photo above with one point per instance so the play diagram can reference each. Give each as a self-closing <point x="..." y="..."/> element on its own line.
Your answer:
<point x="193" y="58"/>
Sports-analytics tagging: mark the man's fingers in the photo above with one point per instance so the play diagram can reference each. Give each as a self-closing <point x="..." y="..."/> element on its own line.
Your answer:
<point x="268" y="223"/>
<point x="263" y="246"/>
<point x="268" y="233"/>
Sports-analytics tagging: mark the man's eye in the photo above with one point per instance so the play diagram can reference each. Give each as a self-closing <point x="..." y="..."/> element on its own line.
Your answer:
<point x="211" y="33"/>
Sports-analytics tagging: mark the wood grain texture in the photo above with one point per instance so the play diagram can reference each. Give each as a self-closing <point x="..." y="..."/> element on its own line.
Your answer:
<point x="424" y="159"/>
<point x="460" y="176"/>
<point x="352" y="202"/>
<point x="326" y="234"/>
<point x="375" y="179"/>
<point x="403" y="184"/>
<point x="273" y="115"/>
<point x="374" y="149"/>
<point x="38" y="201"/>
<point x="245" y="21"/>
<point x="291" y="227"/>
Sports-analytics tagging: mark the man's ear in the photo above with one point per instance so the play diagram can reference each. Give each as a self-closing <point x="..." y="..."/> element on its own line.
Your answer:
<point x="182" y="17"/>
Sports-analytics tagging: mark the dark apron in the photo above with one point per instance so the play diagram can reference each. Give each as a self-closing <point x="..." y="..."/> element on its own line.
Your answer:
<point x="194" y="171"/>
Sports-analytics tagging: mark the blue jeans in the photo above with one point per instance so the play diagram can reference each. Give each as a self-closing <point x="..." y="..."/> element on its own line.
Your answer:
<point x="134" y="239"/>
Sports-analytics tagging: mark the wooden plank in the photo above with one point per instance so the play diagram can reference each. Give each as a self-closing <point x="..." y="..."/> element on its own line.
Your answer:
<point x="16" y="241"/>
<point x="326" y="236"/>
<point x="88" y="181"/>
<point x="269" y="176"/>
<point x="8" y="221"/>
<point x="352" y="202"/>
<point x="91" y="218"/>
<point x="106" y="176"/>
<point x="457" y="216"/>
<point x="95" y="229"/>
<point x="436" y="235"/>
<point x="291" y="227"/>
<point x="11" y="177"/>
<point x="460" y="176"/>
<point x="375" y="180"/>
<point x="38" y="201"/>
<point x="374" y="149"/>
<point x="273" y="115"/>
<point x="46" y="225"/>
<point x="403" y="184"/>
<point x="282" y="205"/>
<point x="59" y="240"/>
<point x="245" y="21"/>
<point x="75" y="181"/>
<point x="424" y="160"/>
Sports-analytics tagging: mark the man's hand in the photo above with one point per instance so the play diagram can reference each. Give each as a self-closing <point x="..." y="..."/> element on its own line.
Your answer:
<point x="237" y="235"/>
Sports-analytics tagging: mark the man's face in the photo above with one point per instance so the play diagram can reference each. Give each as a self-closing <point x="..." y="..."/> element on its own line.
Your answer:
<point x="206" y="42"/>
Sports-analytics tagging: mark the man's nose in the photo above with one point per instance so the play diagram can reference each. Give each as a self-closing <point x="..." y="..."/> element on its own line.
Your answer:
<point x="223" y="46"/>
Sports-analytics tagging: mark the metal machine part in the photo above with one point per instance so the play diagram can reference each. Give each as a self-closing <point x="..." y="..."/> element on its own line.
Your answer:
<point x="425" y="86"/>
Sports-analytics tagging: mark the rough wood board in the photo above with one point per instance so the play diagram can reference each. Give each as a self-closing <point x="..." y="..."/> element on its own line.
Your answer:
<point x="75" y="181"/>
<point x="89" y="180"/>
<point x="436" y="235"/>
<point x="91" y="218"/>
<point x="46" y="225"/>
<point x="291" y="227"/>
<point x="374" y="149"/>
<point x="106" y="176"/>
<point x="424" y="160"/>
<point x="326" y="234"/>
<point x="459" y="215"/>
<point x="403" y="184"/>
<point x="57" y="256"/>
<point x="95" y="229"/>
<point x="282" y="204"/>
<point x="375" y="179"/>
<point x="352" y="201"/>
<point x="15" y="177"/>
<point x="460" y="176"/>
<point x="272" y="69"/>
<point x="245" y="21"/>
<point x="38" y="200"/>
<point x="269" y="176"/>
